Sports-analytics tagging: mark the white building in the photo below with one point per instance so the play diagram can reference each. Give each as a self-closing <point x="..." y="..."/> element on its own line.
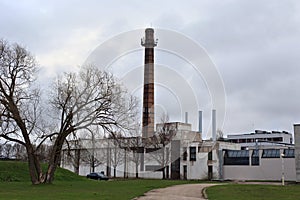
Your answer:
<point x="259" y="164"/>
<point x="262" y="139"/>
<point x="185" y="156"/>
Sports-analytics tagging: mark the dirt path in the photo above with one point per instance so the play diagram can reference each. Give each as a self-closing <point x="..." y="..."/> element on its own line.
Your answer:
<point x="177" y="192"/>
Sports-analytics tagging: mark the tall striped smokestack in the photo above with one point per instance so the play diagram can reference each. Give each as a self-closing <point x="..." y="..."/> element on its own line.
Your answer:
<point x="148" y="99"/>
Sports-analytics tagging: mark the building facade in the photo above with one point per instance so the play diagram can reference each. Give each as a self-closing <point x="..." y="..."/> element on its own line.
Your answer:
<point x="185" y="156"/>
<point x="262" y="139"/>
<point x="259" y="164"/>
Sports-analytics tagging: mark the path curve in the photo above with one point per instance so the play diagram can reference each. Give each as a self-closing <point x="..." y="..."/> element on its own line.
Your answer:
<point x="176" y="192"/>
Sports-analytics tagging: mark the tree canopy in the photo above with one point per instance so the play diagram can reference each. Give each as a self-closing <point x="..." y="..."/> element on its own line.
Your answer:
<point x="77" y="101"/>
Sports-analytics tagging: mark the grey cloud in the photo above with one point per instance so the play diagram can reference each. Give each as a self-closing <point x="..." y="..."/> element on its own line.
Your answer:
<point x="255" y="45"/>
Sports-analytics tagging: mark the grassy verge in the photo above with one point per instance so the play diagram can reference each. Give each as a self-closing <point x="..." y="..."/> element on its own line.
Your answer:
<point x="85" y="189"/>
<point x="253" y="192"/>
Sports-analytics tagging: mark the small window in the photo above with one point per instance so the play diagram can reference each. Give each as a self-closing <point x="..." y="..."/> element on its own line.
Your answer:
<point x="153" y="168"/>
<point x="192" y="153"/>
<point x="184" y="155"/>
<point x="271" y="153"/>
<point x="289" y="153"/>
<point x="255" y="157"/>
<point x="210" y="156"/>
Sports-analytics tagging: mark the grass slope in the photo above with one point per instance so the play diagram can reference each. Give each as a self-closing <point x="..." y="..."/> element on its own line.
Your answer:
<point x="14" y="171"/>
<point x="253" y="192"/>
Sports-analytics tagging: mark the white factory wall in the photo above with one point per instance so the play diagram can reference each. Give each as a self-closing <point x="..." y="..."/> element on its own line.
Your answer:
<point x="269" y="169"/>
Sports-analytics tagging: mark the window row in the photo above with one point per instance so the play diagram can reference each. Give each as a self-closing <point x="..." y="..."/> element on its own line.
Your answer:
<point x="241" y="157"/>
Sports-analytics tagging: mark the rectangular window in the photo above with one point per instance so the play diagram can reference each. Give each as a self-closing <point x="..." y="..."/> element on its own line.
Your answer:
<point x="255" y="157"/>
<point x="276" y="139"/>
<point x="289" y="153"/>
<point x="210" y="157"/>
<point x="236" y="157"/>
<point x="192" y="153"/>
<point x="153" y="168"/>
<point x="271" y="153"/>
<point x="184" y="155"/>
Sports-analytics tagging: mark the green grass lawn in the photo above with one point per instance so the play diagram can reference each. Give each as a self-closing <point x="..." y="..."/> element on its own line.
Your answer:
<point x="85" y="189"/>
<point x="15" y="184"/>
<point x="253" y="192"/>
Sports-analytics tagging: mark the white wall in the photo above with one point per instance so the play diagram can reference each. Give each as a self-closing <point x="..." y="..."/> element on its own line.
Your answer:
<point x="269" y="169"/>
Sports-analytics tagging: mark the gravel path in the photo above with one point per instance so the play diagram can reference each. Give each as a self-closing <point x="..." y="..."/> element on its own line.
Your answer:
<point x="177" y="192"/>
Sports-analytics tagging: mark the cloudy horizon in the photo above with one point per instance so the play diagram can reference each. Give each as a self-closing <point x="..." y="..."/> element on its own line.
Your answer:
<point x="254" y="45"/>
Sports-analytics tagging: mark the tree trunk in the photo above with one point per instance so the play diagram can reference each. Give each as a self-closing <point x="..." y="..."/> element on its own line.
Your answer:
<point x="163" y="162"/>
<point x="136" y="170"/>
<point x="115" y="170"/>
<point x="125" y="163"/>
<point x="93" y="164"/>
<point x="52" y="166"/>
<point x="77" y="161"/>
<point x="54" y="160"/>
<point x="35" y="172"/>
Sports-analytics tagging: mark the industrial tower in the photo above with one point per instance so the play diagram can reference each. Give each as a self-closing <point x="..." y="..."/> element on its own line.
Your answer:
<point x="148" y="101"/>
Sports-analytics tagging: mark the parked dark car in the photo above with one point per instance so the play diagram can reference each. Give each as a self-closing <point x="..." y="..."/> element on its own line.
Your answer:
<point x="97" y="176"/>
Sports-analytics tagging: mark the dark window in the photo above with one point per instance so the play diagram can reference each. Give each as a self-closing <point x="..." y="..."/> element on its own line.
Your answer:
<point x="289" y="153"/>
<point x="153" y="168"/>
<point x="210" y="155"/>
<point x="276" y="139"/>
<point x="271" y="153"/>
<point x="236" y="157"/>
<point x="155" y="150"/>
<point x="255" y="157"/>
<point x="184" y="155"/>
<point x="184" y="172"/>
<point x="210" y="172"/>
<point x="192" y="153"/>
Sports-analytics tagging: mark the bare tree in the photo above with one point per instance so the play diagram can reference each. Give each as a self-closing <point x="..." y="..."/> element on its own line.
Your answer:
<point x="117" y="157"/>
<point x="8" y="149"/>
<point x="19" y="152"/>
<point x="164" y="134"/>
<point x="75" y="154"/>
<point x="80" y="100"/>
<point x="89" y="98"/>
<point x="220" y="135"/>
<point x="137" y="147"/>
<point x="94" y="158"/>
<point x="19" y="102"/>
<point x="93" y="154"/>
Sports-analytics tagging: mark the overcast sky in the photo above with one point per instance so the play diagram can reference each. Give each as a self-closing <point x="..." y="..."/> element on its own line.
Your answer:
<point x="254" y="44"/>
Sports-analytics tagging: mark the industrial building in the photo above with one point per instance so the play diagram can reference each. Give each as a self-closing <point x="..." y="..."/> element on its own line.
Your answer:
<point x="182" y="153"/>
<point x="185" y="156"/>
